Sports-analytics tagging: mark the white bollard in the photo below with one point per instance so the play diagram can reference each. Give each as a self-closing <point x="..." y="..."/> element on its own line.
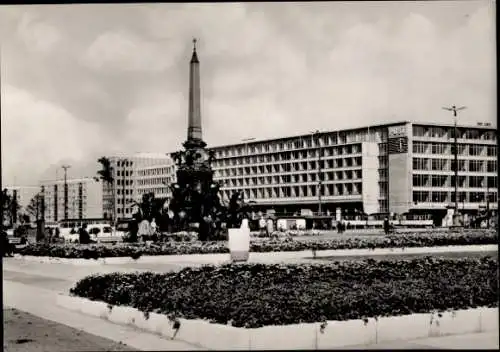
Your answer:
<point x="239" y="242"/>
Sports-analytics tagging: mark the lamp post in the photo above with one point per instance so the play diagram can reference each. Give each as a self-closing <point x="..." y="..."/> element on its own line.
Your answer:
<point x="454" y="109"/>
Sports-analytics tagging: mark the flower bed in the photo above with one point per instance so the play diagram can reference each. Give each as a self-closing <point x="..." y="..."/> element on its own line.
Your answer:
<point x="269" y="245"/>
<point x="256" y="295"/>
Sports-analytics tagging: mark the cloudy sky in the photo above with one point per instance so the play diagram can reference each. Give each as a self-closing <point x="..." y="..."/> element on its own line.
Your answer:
<point x="81" y="81"/>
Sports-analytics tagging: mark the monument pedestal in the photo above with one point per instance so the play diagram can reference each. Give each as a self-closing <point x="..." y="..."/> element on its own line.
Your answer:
<point x="239" y="244"/>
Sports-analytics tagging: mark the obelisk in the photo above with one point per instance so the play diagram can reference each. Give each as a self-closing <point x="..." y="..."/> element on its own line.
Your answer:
<point x="194" y="134"/>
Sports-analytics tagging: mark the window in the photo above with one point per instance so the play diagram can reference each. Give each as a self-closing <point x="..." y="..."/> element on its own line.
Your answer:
<point x="475" y="150"/>
<point x="476" y="181"/>
<point x="438" y="164"/>
<point x="419" y="164"/>
<point x="419" y="147"/>
<point x="438" y="180"/>
<point x="475" y="165"/>
<point x="420" y="180"/>
<point x="491" y="151"/>
<point x="492" y="182"/>
<point x="419" y="131"/>
<point x="420" y="196"/>
<point x="491" y="166"/>
<point x="439" y="197"/>
<point x="438" y="148"/>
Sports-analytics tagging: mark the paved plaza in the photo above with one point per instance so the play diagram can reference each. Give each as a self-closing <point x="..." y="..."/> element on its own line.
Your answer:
<point x="32" y="287"/>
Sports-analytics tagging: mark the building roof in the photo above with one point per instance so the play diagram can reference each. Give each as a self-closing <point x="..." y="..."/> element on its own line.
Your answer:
<point x="251" y="141"/>
<point x="71" y="180"/>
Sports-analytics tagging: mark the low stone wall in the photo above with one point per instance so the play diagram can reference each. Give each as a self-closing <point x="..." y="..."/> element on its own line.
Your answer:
<point x="271" y="257"/>
<point x="298" y="336"/>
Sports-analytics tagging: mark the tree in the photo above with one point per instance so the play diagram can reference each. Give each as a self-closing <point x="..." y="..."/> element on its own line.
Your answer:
<point x="10" y="208"/>
<point x="106" y="175"/>
<point x="33" y="209"/>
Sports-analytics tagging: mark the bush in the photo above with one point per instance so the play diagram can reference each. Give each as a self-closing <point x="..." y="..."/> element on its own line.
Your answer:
<point x="255" y="295"/>
<point x="263" y="245"/>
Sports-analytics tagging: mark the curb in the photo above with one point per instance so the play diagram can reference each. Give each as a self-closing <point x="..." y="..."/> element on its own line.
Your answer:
<point x="191" y="259"/>
<point x="298" y="336"/>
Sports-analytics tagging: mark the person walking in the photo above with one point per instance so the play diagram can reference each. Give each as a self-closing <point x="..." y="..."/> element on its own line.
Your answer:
<point x="262" y="226"/>
<point x="83" y="234"/>
<point x="386" y="225"/>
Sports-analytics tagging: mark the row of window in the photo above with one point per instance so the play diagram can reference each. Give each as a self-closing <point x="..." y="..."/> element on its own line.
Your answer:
<point x="290" y="167"/>
<point x="444" y="197"/>
<point x="449" y="132"/>
<point x="125" y="173"/>
<point x="156" y="171"/>
<point x="127" y="182"/>
<point x="448" y="165"/>
<point x="155" y="181"/>
<point x="448" y="148"/>
<point x="301" y="142"/>
<point x="296" y="155"/>
<point x="422" y="180"/>
<point x="350" y="189"/>
<point x="155" y="190"/>
<point x="347" y="175"/>
<point x="124" y="163"/>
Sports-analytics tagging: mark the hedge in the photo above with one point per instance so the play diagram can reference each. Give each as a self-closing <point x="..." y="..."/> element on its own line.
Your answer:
<point x="255" y="295"/>
<point x="269" y="245"/>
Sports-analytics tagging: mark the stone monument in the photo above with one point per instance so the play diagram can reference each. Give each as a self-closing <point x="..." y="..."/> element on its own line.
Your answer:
<point x="195" y="197"/>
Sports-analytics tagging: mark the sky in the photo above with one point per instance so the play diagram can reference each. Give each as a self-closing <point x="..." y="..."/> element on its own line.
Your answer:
<point x="82" y="81"/>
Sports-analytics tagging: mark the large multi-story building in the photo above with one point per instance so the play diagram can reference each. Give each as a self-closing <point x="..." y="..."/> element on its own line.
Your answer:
<point x="119" y="196"/>
<point x="401" y="168"/>
<point x="84" y="199"/>
<point x="392" y="168"/>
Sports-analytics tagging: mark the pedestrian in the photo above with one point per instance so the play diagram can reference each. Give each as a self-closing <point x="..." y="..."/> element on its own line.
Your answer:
<point x="153" y="226"/>
<point x="386" y="225"/>
<point x="84" y="237"/>
<point x="270" y="226"/>
<point x="262" y="226"/>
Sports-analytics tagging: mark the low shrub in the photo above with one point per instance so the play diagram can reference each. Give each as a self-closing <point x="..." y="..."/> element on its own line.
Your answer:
<point x="255" y="295"/>
<point x="263" y="245"/>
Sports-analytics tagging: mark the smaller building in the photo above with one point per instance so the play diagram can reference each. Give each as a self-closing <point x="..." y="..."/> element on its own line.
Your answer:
<point x="155" y="179"/>
<point x="84" y="199"/>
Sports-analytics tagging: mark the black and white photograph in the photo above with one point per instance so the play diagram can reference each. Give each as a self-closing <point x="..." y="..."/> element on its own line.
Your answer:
<point x="249" y="176"/>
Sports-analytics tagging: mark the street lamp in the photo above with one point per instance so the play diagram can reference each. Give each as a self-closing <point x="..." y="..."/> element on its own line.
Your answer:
<point x="454" y="109"/>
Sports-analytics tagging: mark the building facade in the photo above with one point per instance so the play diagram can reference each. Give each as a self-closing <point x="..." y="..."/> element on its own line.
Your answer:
<point x="84" y="199"/>
<point x="119" y="196"/>
<point x="156" y="179"/>
<point x="394" y="168"/>
<point x="401" y="168"/>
